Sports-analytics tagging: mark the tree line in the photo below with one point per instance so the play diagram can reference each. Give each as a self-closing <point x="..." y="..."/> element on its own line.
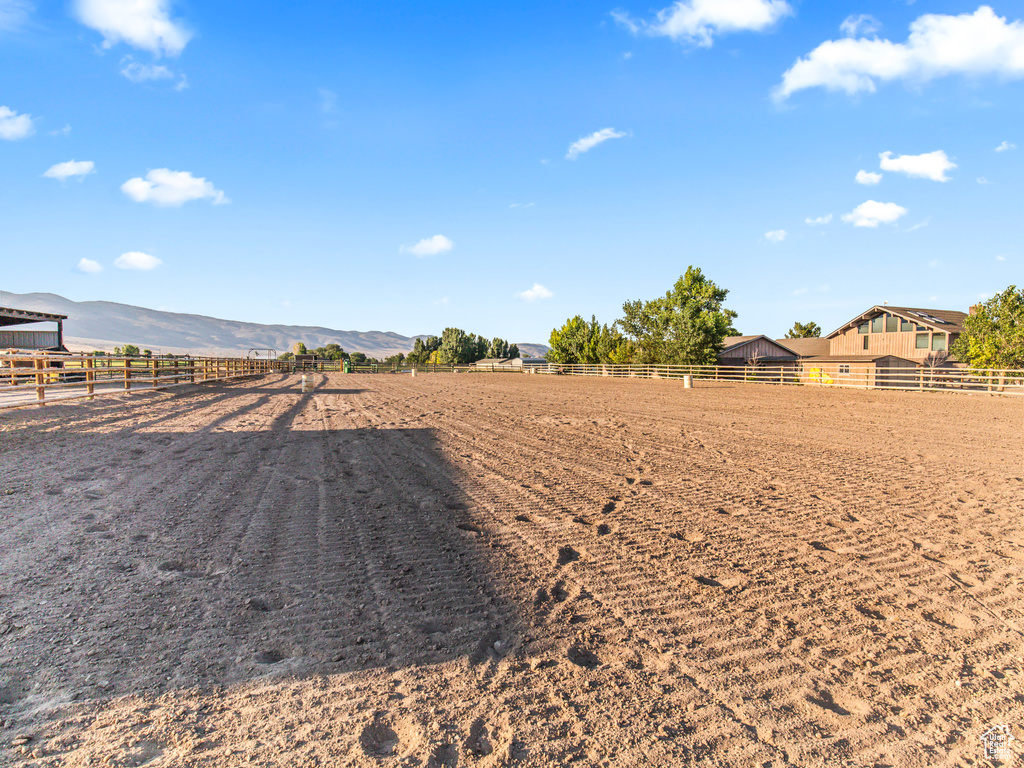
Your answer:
<point x="686" y="326"/>
<point x="453" y="347"/>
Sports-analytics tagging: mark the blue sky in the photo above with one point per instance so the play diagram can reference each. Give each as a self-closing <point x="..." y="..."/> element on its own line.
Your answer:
<point x="503" y="166"/>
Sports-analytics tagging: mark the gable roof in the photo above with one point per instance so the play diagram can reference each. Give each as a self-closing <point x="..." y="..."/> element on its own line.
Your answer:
<point x="808" y="347"/>
<point x="945" y="320"/>
<point x="732" y="343"/>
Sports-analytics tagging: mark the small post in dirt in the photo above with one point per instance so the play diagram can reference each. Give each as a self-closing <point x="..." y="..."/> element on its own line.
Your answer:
<point x="127" y="374"/>
<point x="90" y="376"/>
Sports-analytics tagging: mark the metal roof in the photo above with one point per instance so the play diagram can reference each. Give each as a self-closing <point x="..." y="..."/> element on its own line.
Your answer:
<point x="10" y="316"/>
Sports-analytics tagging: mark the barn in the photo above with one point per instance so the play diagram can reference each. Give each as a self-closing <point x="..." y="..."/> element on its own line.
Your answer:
<point x="36" y="338"/>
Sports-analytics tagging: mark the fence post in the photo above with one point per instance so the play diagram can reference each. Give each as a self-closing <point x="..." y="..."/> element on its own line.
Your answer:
<point x="127" y="374"/>
<point x="40" y="364"/>
<point x="154" y="365"/>
<point x="920" y="379"/>
<point x="90" y="376"/>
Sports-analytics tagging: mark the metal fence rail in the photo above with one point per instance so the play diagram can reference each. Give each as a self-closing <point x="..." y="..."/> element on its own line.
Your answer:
<point x="843" y="375"/>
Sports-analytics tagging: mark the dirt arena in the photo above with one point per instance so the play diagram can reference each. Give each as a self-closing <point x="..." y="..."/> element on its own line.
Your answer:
<point x="497" y="569"/>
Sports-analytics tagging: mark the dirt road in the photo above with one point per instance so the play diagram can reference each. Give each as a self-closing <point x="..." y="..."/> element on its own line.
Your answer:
<point x="462" y="570"/>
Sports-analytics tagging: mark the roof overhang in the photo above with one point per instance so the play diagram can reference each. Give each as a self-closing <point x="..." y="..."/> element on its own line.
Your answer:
<point x="10" y="316"/>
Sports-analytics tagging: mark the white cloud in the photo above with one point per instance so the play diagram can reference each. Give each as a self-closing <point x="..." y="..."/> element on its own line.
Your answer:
<point x="71" y="168"/>
<point x="430" y="246"/>
<point x="699" y="21"/>
<point x="140" y="73"/>
<point x="920" y="225"/>
<point x="872" y="213"/>
<point x="939" y="45"/>
<point x="537" y="292"/>
<point x="89" y="266"/>
<point x="1000" y="258"/>
<point x="587" y="143"/>
<point x="866" y="177"/>
<point x="931" y="165"/>
<point x="163" y="186"/>
<point x="521" y="205"/>
<point x="820" y="220"/>
<point x="14" y="126"/>
<point x="14" y="13"/>
<point x="933" y="264"/>
<point x="142" y="24"/>
<point x="65" y="131"/>
<point x="858" y="26"/>
<point x="775" y="236"/>
<point x="982" y="180"/>
<point x="1005" y="146"/>
<point x="137" y="260"/>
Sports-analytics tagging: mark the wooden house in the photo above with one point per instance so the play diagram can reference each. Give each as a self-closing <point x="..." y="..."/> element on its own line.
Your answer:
<point x="904" y="332"/>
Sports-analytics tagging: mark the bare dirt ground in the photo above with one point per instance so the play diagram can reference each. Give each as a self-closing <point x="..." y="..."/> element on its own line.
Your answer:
<point x="485" y="570"/>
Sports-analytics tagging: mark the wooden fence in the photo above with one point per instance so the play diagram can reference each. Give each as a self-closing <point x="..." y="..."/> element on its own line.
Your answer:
<point x="40" y="378"/>
<point x="844" y="375"/>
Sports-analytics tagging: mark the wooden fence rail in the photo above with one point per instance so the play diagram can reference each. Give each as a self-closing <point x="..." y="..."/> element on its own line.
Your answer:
<point x="41" y="378"/>
<point x="853" y="375"/>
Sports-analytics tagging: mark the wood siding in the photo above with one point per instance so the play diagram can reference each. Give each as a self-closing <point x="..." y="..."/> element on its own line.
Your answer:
<point x="897" y="343"/>
<point x="758" y="347"/>
<point x="888" y="371"/>
<point x="29" y="339"/>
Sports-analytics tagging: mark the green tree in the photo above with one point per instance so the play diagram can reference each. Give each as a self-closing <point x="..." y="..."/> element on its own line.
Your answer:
<point x="804" y="331"/>
<point x="513" y="351"/>
<point x="357" y="358"/>
<point x="686" y="326"/>
<point x="286" y="356"/>
<point x="422" y="349"/>
<point x="299" y="348"/>
<point x="498" y="348"/>
<point x="571" y="344"/>
<point x="582" y="342"/>
<point x="128" y="350"/>
<point x="993" y="335"/>
<point x="457" y="347"/>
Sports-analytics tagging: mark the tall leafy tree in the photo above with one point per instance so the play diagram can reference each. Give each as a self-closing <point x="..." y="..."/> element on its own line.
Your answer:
<point x="457" y="347"/>
<point x="513" y="351"/>
<point x="581" y="342"/>
<point x="993" y="335"/>
<point x="804" y="331"/>
<point x="685" y="326"/>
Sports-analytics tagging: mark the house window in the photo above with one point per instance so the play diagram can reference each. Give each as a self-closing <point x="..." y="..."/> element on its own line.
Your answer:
<point x="906" y="325"/>
<point x="939" y="342"/>
<point x="922" y="341"/>
<point x="866" y="341"/>
<point x="892" y="324"/>
<point x="863" y="328"/>
<point x="844" y="368"/>
<point x="876" y="324"/>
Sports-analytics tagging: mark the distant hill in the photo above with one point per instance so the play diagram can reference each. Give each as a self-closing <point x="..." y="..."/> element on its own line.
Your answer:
<point x="106" y="324"/>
